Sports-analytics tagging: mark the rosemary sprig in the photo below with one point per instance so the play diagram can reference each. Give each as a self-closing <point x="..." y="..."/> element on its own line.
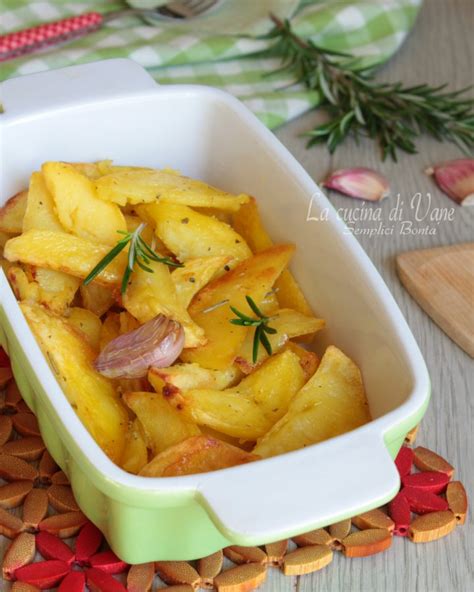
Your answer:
<point x="139" y="253"/>
<point x="389" y="113"/>
<point x="260" y="324"/>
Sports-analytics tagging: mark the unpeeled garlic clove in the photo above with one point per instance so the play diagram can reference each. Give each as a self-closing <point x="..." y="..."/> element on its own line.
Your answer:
<point x="156" y="343"/>
<point x="456" y="179"/>
<point x="360" y="182"/>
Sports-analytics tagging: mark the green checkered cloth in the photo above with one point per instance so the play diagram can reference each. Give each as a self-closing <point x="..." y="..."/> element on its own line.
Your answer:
<point x="212" y="50"/>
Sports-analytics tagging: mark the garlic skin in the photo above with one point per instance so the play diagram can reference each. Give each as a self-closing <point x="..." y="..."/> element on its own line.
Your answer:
<point x="456" y="179"/>
<point x="360" y="182"/>
<point x="159" y="342"/>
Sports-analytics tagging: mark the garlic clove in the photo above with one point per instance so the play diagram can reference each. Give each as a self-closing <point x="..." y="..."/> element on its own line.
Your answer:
<point x="456" y="179"/>
<point x="158" y="342"/>
<point x="360" y="182"/>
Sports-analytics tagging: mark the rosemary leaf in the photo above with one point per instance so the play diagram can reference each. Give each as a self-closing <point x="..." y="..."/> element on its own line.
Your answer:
<point x="139" y="253"/>
<point x="105" y="261"/>
<point x="260" y="324"/>
<point x="264" y="341"/>
<point x="256" y="342"/>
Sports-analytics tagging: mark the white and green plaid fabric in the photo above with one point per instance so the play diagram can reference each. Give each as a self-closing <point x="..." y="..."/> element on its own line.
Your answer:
<point x="211" y="51"/>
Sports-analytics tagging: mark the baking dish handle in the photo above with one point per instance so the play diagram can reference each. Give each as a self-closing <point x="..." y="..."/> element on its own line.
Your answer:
<point x="64" y="87"/>
<point x="280" y="497"/>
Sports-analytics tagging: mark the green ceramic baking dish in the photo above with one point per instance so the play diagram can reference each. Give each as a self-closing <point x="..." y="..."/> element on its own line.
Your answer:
<point x="113" y="109"/>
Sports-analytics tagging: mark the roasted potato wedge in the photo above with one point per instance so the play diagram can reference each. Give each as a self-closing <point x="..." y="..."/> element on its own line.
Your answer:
<point x="110" y="329"/>
<point x="163" y="425"/>
<point x="247" y="445"/>
<point x="288" y="324"/>
<point x="87" y="323"/>
<point x="309" y="361"/>
<point x="23" y="288"/>
<point x="149" y="186"/>
<point x="181" y="377"/>
<point x="247" y="223"/>
<point x="40" y="211"/>
<point x="195" y="274"/>
<point x="135" y="454"/>
<point x="249" y="409"/>
<point x="189" y="234"/>
<point x="57" y="289"/>
<point x="96" y="298"/>
<point x="210" y="308"/>
<point x="12" y="213"/>
<point x="93" y="170"/>
<point x="92" y="396"/>
<point x="199" y="454"/>
<point x="151" y="294"/>
<point x="332" y="402"/>
<point x="78" y="207"/>
<point x="65" y="252"/>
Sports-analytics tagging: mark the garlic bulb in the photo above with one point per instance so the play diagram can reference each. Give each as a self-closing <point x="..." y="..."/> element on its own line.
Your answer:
<point x="456" y="179"/>
<point x="158" y="343"/>
<point x="361" y="183"/>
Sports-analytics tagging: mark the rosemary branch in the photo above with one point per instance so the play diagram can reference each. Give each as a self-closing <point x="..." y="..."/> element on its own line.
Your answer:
<point x="389" y="113"/>
<point x="139" y="253"/>
<point x="261" y="327"/>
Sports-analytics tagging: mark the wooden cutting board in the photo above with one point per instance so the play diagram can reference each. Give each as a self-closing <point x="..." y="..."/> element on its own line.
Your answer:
<point x="441" y="280"/>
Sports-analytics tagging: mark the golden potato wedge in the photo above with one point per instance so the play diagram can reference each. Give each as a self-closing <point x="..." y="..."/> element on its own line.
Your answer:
<point x="87" y="323"/>
<point x="163" y="425"/>
<point x="199" y="454"/>
<point x="210" y="308"/>
<point x="12" y="213"/>
<point x="107" y="167"/>
<point x="40" y="211"/>
<point x="92" y="396"/>
<point x="110" y="329"/>
<point x="79" y="209"/>
<point x="309" y="361"/>
<point x="189" y="234"/>
<point x="23" y="288"/>
<point x="288" y="324"/>
<point x="149" y="186"/>
<point x="195" y="274"/>
<point x="93" y="170"/>
<point x="127" y="322"/>
<point x="151" y="294"/>
<point x="65" y="252"/>
<point x="57" y="289"/>
<point x="96" y="298"/>
<point x="135" y="454"/>
<point x="181" y="377"/>
<point x="221" y="215"/>
<point x="332" y="402"/>
<point x="249" y="409"/>
<point x="247" y="222"/>
<point x="247" y="445"/>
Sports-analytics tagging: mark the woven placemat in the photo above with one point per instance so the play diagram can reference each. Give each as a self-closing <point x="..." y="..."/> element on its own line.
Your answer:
<point x="54" y="546"/>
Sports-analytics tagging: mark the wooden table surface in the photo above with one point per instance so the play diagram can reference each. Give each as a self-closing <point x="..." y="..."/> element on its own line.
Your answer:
<point x="439" y="50"/>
